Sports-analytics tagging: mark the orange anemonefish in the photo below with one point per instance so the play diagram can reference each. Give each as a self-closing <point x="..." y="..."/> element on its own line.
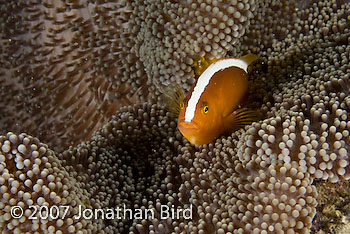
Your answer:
<point x="210" y="107"/>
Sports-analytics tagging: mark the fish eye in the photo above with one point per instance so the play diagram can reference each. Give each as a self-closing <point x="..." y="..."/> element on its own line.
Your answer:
<point x="205" y="109"/>
<point x="181" y="105"/>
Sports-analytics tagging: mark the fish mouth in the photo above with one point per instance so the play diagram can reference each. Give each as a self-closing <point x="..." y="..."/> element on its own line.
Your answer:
<point x="188" y="125"/>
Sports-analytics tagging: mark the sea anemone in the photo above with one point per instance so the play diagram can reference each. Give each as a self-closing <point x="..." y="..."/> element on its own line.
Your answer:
<point x="64" y="78"/>
<point x="71" y="65"/>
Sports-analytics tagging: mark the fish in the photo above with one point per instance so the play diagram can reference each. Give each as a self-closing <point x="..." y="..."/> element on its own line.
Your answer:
<point x="212" y="107"/>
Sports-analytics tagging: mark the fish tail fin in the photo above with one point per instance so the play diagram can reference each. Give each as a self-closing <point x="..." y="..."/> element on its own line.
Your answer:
<point x="173" y="99"/>
<point x="250" y="58"/>
<point x="240" y="118"/>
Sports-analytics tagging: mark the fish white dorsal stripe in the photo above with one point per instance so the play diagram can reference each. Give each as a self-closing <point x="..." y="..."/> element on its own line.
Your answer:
<point x="204" y="80"/>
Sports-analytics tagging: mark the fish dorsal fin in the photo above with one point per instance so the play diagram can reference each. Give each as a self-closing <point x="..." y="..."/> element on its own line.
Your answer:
<point x="249" y="58"/>
<point x="202" y="63"/>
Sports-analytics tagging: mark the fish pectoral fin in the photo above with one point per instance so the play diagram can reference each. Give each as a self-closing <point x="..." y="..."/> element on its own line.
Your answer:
<point x="173" y="99"/>
<point x="239" y="118"/>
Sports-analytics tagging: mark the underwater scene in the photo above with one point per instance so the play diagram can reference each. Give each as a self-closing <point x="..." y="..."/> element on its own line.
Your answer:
<point x="188" y="116"/>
